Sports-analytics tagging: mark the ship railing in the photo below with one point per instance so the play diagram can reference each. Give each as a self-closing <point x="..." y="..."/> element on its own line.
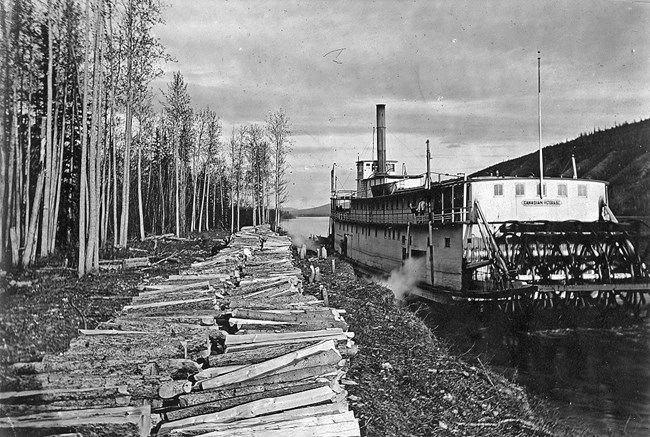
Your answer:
<point x="400" y="216"/>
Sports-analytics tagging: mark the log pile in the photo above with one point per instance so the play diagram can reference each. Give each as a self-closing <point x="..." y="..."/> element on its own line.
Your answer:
<point x="230" y="346"/>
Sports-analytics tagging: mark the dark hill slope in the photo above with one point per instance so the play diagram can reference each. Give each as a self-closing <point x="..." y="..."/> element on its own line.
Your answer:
<point x="620" y="155"/>
<point x="318" y="211"/>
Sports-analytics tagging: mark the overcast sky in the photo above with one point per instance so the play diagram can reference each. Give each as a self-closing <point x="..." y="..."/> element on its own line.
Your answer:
<point x="460" y="73"/>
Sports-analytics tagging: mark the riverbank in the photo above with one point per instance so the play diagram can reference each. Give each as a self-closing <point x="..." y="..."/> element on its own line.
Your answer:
<point x="405" y="382"/>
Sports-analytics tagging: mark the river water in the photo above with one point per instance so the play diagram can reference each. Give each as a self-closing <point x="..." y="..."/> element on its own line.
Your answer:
<point x="591" y="366"/>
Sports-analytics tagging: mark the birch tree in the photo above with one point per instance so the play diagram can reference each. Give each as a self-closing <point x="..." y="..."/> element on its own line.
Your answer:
<point x="278" y="129"/>
<point x="141" y="52"/>
<point x="178" y="113"/>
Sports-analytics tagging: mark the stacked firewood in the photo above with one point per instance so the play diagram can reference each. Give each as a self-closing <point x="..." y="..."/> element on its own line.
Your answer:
<point x="229" y="347"/>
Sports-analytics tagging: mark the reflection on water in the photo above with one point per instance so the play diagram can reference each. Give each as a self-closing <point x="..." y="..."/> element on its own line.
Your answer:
<point x="591" y="365"/>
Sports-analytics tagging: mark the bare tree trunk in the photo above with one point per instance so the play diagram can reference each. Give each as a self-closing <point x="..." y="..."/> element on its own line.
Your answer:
<point x="101" y="112"/>
<point x="195" y="183"/>
<point x="205" y="178"/>
<point x="11" y="189"/>
<point x="116" y="234"/>
<point x="221" y="199"/>
<point x="45" y="229"/>
<point x="232" y="210"/>
<point x="28" y="163"/>
<point x="126" y="177"/>
<point x="162" y="197"/>
<point x="140" y="212"/>
<point x="30" y="238"/>
<point x="92" y="249"/>
<point x="106" y="184"/>
<point x="83" y="191"/>
<point x="177" y="181"/>
<point x="238" y="210"/>
<point x="207" y="206"/>
<point x="58" y="177"/>
<point x="276" y="195"/>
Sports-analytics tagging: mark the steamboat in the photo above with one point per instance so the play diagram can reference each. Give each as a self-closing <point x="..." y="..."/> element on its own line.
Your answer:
<point x="503" y="238"/>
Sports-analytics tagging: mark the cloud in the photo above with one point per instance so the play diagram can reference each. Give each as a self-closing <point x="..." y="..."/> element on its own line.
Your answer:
<point x="462" y="74"/>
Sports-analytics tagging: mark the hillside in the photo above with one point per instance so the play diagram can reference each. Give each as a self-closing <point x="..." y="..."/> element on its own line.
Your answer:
<point x="619" y="155"/>
<point x="318" y="211"/>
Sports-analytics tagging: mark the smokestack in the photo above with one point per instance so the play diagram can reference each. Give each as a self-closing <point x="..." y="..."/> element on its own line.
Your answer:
<point x="381" y="138"/>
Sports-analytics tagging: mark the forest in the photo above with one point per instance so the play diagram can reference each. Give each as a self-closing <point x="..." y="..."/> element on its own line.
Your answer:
<point x="90" y="159"/>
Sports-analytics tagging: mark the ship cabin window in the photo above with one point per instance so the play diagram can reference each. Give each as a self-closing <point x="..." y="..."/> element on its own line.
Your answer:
<point x="390" y="167"/>
<point x="561" y="190"/>
<point x="498" y="190"/>
<point x="544" y="188"/>
<point x="447" y="242"/>
<point x="520" y="189"/>
<point x="582" y="190"/>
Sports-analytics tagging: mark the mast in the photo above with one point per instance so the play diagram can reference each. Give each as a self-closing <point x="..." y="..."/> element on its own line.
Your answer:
<point x="539" y="119"/>
<point x="427" y="182"/>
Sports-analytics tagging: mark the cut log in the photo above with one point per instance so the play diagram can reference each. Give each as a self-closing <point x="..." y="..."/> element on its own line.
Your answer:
<point x="47" y="395"/>
<point x="158" y="237"/>
<point x="174" y="388"/>
<point x="324" y="375"/>
<point x="127" y="421"/>
<point x="333" y="425"/>
<point x="212" y="372"/>
<point x="172" y="296"/>
<point x="327" y="359"/>
<point x="130" y="263"/>
<point x="338" y="338"/>
<point x="162" y="288"/>
<point x="235" y="394"/>
<point x="257" y="408"/>
<point x="199" y="277"/>
<point x="252" y="322"/>
<point x="256" y="370"/>
<point x="259" y="355"/>
<point x="139" y="387"/>
<point x="166" y="303"/>
<point x="21" y="409"/>
<point x="298" y="413"/>
<point x="164" y="366"/>
<point x="232" y="340"/>
<point x="110" y="332"/>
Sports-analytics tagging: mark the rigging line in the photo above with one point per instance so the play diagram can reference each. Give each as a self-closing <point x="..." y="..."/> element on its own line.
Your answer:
<point x="565" y="167"/>
<point x="405" y="148"/>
